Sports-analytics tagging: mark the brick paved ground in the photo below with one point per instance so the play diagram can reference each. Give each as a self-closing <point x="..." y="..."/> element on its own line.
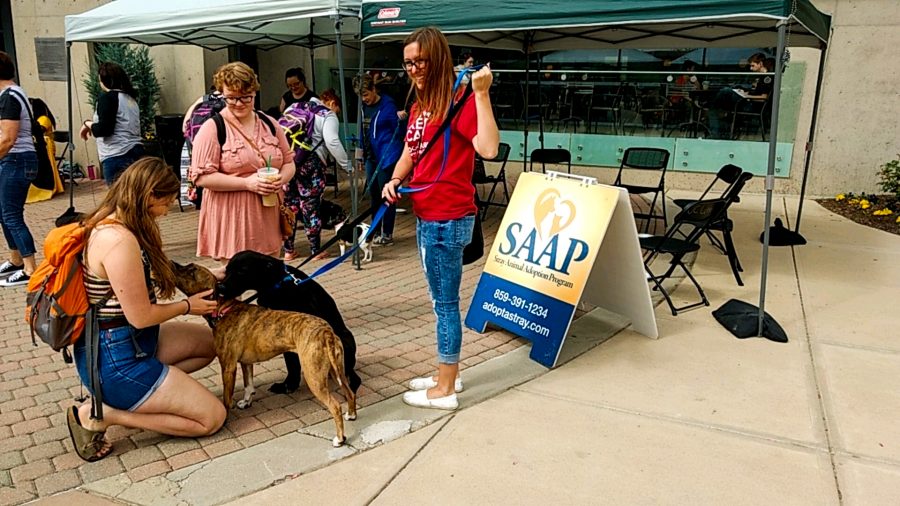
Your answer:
<point x="385" y="304"/>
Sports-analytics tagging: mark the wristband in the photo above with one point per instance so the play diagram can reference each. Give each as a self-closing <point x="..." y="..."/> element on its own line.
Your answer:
<point x="85" y="124"/>
<point x="397" y="178"/>
<point x="188" y="310"/>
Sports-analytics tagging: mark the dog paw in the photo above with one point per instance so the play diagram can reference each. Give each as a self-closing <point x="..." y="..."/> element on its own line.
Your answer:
<point x="242" y="404"/>
<point x="348" y="416"/>
<point x="337" y="442"/>
<point x="283" y="388"/>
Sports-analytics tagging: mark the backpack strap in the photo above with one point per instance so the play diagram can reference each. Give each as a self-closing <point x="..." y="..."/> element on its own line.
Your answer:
<point x="220" y="126"/>
<point x="265" y="119"/>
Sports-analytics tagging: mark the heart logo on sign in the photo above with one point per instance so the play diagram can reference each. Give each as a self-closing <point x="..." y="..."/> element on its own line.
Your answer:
<point x="552" y="213"/>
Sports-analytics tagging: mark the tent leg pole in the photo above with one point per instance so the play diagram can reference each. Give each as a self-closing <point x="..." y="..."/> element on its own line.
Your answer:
<point x="71" y="129"/>
<point x="358" y="153"/>
<point x="525" y="113"/>
<point x="312" y="54"/>
<point x="810" y="142"/>
<point x="540" y="102"/>
<point x="353" y="190"/>
<point x="770" y="171"/>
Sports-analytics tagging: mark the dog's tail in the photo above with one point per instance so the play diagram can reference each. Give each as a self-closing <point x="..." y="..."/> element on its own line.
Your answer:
<point x="336" y="357"/>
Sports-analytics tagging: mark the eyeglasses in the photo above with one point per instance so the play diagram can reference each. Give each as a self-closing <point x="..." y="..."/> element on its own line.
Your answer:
<point x="245" y="99"/>
<point x="418" y="63"/>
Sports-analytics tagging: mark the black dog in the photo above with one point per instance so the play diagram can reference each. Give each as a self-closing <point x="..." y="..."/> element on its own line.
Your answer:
<point x="249" y="270"/>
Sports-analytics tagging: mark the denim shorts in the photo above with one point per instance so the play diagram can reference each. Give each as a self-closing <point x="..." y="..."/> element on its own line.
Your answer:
<point x="127" y="381"/>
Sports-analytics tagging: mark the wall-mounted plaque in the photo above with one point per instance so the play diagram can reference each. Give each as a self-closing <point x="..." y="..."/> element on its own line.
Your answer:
<point x="51" y="58"/>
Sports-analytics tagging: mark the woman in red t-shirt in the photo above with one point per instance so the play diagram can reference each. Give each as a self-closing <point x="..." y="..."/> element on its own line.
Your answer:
<point x="445" y="211"/>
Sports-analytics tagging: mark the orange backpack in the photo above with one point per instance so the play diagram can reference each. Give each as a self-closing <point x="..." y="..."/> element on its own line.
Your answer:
<point x="56" y="302"/>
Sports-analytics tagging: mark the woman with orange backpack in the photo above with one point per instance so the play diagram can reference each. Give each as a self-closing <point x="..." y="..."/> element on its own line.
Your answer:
<point x="144" y="358"/>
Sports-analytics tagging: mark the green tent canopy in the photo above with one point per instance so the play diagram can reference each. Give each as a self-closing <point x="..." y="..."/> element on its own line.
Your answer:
<point x="567" y="24"/>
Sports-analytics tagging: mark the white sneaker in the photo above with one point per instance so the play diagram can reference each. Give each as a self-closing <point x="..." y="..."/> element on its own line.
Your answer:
<point x="18" y="278"/>
<point x="8" y="268"/>
<point x="419" y="399"/>
<point x="427" y="382"/>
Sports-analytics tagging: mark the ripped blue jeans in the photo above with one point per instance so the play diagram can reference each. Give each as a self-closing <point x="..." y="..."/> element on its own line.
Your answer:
<point x="441" y="246"/>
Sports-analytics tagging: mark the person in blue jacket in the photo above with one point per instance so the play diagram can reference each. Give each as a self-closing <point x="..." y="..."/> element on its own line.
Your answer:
<point x="384" y="145"/>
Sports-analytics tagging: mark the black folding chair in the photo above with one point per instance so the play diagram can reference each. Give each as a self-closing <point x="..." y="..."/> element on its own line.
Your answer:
<point x="728" y="175"/>
<point x="555" y="156"/>
<point x="724" y="225"/>
<point x="680" y="240"/>
<point x="481" y="177"/>
<point x="648" y="159"/>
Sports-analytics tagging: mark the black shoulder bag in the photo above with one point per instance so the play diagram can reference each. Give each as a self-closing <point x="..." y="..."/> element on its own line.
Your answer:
<point x="44" y="179"/>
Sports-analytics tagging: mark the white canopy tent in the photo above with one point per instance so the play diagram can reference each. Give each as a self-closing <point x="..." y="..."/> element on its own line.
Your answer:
<point x="218" y="24"/>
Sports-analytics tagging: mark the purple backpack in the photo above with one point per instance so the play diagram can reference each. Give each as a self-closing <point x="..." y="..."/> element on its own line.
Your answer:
<point x="298" y="122"/>
<point x="211" y="105"/>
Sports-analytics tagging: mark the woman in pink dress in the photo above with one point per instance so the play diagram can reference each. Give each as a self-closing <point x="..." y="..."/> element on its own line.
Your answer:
<point x="233" y="218"/>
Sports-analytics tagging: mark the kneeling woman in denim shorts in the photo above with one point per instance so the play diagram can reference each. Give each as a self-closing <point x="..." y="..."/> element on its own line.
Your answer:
<point x="144" y="358"/>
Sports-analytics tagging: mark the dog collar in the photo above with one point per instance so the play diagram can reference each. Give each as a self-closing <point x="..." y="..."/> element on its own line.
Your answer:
<point x="218" y="314"/>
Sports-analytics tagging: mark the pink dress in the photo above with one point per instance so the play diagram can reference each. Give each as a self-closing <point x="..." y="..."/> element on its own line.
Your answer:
<point x="234" y="221"/>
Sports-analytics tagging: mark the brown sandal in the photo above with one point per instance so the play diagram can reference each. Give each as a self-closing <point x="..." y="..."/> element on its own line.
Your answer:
<point x="89" y="445"/>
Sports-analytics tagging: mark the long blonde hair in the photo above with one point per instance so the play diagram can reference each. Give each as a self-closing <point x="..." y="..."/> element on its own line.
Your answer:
<point x="129" y="199"/>
<point x="437" y="92"/>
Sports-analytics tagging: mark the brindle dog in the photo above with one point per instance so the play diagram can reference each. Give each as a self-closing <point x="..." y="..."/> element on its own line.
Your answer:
<point x="247" y="334"/>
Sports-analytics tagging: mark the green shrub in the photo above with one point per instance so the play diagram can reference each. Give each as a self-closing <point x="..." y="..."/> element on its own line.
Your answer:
<point x="890" y="177"/>
<point x="136" y="62"/>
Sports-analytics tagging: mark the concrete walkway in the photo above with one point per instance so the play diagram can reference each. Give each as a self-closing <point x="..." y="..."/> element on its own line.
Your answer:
<point x="696" y="417"/>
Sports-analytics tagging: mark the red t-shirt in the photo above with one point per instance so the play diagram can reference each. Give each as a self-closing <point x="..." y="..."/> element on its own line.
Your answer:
<point x="453" y="196"/>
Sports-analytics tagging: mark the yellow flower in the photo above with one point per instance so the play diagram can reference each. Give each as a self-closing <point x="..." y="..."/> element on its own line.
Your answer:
<point x="883" y="212"/>
<point x="853" y="201"/>
<point x="864" y="206"/>
<point x="840" y="197"/>
<point x="898" y="219"/>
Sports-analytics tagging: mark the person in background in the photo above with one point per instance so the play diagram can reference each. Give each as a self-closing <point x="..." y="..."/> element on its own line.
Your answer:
<point x="43" y="116"/>
<point x="304" y="192"/>
<point x="18" y="168"/>
<point x="214" y="103"/>
<point x="445" y="212"/>
<point x="117" y="123"/>
<point x="124" y="255"/>
<point x="233" y="217"/>
<point x="383" y="145"/>
<point x="297" y="91"/>
<point x="467" y="61"/>
<point x="745" y="98"/>
<point x="685" y="83"/>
